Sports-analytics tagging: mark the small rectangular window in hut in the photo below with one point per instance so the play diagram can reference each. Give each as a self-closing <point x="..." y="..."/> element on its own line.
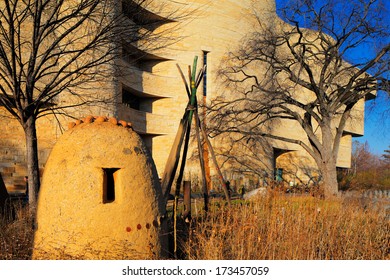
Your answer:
<point x="109" y="178"/>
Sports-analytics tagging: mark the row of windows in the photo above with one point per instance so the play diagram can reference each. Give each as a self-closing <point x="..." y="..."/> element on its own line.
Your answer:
<point x="137" y="102"/>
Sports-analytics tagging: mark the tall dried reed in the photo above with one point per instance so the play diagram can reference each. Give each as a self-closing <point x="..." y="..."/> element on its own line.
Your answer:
<point x="16" y="234"/>
<point x="277" y="227"/>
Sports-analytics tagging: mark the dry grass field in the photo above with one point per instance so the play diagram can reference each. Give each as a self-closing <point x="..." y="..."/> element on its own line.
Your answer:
<point x="274" y="227"/>
<point x="277" y="227"/>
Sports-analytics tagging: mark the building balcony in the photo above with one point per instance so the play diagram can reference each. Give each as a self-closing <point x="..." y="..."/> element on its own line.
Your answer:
<point x="146" y="83"/>
<point x="147" y="123"/>
<point x="148" y="14"/>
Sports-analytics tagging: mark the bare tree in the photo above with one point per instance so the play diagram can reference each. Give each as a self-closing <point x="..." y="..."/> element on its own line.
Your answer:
<point x="368" y="171"/>
<point x="51" y="50"/>
<point x="241" y="156"/>
<point x="306" y="77"/>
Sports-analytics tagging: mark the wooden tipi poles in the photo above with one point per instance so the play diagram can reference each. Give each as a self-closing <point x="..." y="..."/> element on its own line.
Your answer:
<point x="183" y="136"/>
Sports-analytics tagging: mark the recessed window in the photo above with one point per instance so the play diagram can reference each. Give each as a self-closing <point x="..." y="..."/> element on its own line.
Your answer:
<point x="137" y="100"/>
<point x="131" y="100"/>
<point x="109" y="181"/>
<point x="205" y="73"/>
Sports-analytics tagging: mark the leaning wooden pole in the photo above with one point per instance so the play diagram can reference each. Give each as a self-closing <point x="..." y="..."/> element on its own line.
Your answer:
<point x="202" y="165"/>
<point x="213" y="157"/>
<point x="177" y="190"/>
<point x="193" y="91"/>
<point x="205" y="149"/>
<point x="173" y="158"/>
<point x="183" y="162"/>
<point x="187" y="201"/>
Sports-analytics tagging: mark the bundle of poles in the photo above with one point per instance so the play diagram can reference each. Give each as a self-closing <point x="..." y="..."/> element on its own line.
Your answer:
<point x="183" y="138"/>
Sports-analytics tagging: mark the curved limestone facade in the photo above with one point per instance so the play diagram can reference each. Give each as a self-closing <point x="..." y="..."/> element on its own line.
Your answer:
<point x="149" y="91"/>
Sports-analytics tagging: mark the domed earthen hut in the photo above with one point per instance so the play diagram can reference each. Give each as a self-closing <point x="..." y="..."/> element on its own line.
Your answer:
<point x="100" y="197"/>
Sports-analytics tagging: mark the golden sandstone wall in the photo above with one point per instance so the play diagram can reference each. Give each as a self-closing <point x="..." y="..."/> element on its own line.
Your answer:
<point x="13" y="149"/>
<point x="150" y="93"/>
<point x="212" y="28"/>
<point x="215" y="28"/>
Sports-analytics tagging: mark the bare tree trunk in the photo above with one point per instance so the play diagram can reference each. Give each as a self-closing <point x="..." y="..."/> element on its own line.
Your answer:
<point x="32" y="160"/>
<point x="329" y="178"/>
<point x="328" y="165"/>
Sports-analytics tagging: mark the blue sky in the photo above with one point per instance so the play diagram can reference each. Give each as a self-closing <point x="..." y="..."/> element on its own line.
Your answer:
<point x="377" y="113"/>
<point x="377" y="124"/>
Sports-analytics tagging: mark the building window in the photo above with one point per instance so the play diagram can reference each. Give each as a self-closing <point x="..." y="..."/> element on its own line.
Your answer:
<point x="131" y="100"/>
<point x="109" y="180"/>
<point x="136" y="101"/>
<point x="205" y="73"/>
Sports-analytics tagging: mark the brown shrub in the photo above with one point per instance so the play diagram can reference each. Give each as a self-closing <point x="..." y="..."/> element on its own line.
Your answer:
<point x="16" y="235"/>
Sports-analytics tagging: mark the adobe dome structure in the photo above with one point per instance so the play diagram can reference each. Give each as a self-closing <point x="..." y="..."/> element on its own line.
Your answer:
<point x="100" y="196"/>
